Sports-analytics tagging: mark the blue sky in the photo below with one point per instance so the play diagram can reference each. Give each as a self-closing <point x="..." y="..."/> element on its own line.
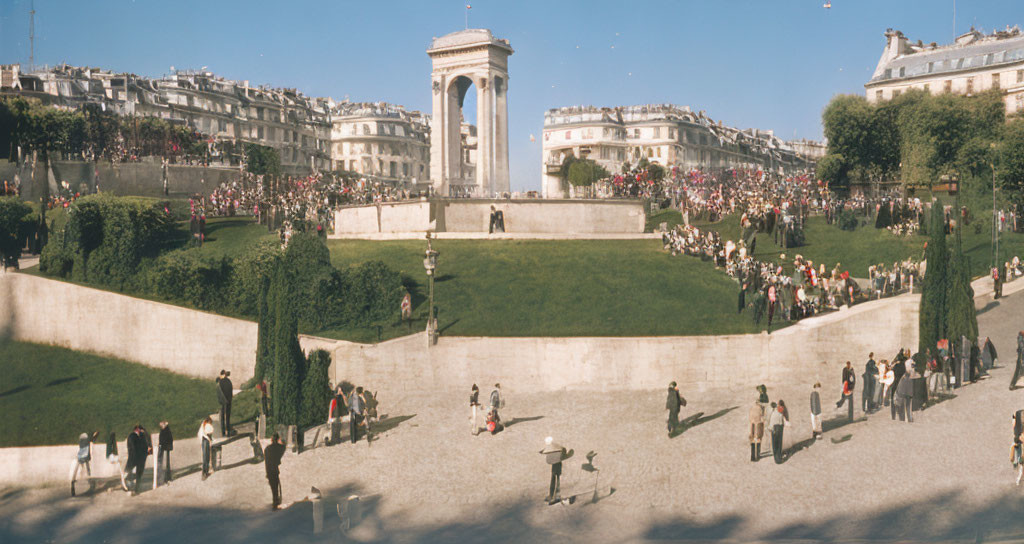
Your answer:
<point x="771" y="64"/>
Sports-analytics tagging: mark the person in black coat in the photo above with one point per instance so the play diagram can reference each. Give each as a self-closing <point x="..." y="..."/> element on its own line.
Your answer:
<point x="674" y="402"/>
<point x="870" y="382"/>
<point x="272" y="461"/>
<point x="166" y="443"/>
<point x="225" y="390"/>
<point x="138" y="451"/>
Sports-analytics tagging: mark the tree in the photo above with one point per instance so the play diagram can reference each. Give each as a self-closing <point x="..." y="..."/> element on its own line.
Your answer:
<point x="832" y="169"/>
<point x="264" y="334"/>
<point x="316" y="388"/>
<point x="1010" y="156"/>
<point x="656" y="172"/>
<point x="289" y="361"/>
<point x="584" y="172"/>
<point x="262" y="160"/>
<point x="932" y="319"/>
<point x="961" y="315"/>
<point x="850" y="125"/>
<point x="15" y="221"/>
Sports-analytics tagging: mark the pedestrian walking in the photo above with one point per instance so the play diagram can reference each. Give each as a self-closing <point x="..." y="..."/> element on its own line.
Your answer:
<point x="206" y="444"/>
<point x="83" y="459"/>
<point x="673" y="404"/>
<point x="496" y="400"/>
<point x="355" y="412"/>
<point x="474" y="408"/>
<point x="848" y="385"/>
<point x="904" y="397"/>
<point x="272" y="461"/>
<point x="165" y="445"/>
<point x="225" y="391"/>
<point x="335" y="413"/>
<point x="1018" y="444"/>
<point x="554" y="455"/>
<point x="1019" y="370"/>
<point x="816" y="412"/>
<point x="776" y="423"/>
<point x="870" y="382"/>
<point x="756" y="415"/>
<point x="138" y="451"/>
<point x="113" y="459"/>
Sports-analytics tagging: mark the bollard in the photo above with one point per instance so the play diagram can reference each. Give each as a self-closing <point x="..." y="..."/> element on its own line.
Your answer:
<point x="318" y="515"/>
<point x="352" y="513"/>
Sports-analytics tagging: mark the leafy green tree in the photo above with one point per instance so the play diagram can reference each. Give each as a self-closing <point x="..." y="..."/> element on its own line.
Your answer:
<point x="1010" y="157"/>
<point x="932" y="319"/>
<point x="656" y="172"/>
<point x="262" y="160"/>
<point x="15" y="221"/>
<point x="584" y="172"/>
<point x="832" y="169"/>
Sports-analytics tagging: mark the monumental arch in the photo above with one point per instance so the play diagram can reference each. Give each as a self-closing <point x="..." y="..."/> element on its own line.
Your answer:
<point x="471" y="57"/>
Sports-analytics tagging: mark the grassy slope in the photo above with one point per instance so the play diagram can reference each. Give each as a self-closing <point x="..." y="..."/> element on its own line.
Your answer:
<point x="867" y="245"/>
<point x="591" y="288"/>
<point x="562" y="288"/>
<point x="50" y="395"/>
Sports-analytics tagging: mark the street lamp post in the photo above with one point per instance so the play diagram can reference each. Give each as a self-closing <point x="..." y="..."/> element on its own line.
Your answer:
<point x="430" y="264"/>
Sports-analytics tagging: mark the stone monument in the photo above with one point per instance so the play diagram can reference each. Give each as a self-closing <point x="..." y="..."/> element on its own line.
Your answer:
<point x="472" y="57"/>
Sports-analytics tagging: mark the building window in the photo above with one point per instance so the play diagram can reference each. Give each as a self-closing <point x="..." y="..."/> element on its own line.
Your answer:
<point x="1020" y="76"/>
<point x="948" y="86"/>
<point x="927" y="87"/>
<point x="903" y="71"/>
<point x="995" y="81"/>
<point x="970" y="85"/>
<point x="366" y="130"/>
<point x="931" y="67"/>
<point x="547" y="136"/>
<point x="568" y="135"/>
<point x="1020" y="102"/>
<point x="896" y="92"/>
<point x="657" y="132"/>
<point x="636" y="133"/>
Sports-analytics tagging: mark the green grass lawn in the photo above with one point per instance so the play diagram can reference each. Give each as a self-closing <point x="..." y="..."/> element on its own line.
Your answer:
<point x="50" y="395"/>
<point x="562" y="288"/>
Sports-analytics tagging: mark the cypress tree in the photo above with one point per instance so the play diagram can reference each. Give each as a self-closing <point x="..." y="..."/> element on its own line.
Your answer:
<point x="264" y="333"/>
<point x="961" y="316"/>
<point x="316" y="388"/>
<point x="289" y="362"/>
<point x="932" y="320"/>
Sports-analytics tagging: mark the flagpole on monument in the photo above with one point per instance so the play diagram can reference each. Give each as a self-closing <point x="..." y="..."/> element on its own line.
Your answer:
<point x="468" y="7"/>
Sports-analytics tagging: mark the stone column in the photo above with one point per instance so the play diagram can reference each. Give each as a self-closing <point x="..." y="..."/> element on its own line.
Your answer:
<point x="484" y="140"/>
<point x="501" y="173"/>
<point x="452" y="136"/>
<point x="437" y="130"/>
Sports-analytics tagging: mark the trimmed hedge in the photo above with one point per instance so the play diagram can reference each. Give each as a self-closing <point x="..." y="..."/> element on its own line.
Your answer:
<point x="116" y="242"/>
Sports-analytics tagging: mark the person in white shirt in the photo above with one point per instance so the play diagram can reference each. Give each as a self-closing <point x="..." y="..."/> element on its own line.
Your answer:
<point x="206" y="441"/>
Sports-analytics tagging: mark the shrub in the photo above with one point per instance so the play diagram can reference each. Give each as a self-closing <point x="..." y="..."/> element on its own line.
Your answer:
<point x="109" y="236"/>
<point x="188" y="275"/>
<point x="375" y="292"/>
<point x="57" y="259"/>
<point x="847" y="220"/>
<point x="251" y="270"/>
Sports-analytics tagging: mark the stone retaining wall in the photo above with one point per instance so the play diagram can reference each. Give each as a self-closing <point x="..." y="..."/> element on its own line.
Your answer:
<point x="473" y="215"/>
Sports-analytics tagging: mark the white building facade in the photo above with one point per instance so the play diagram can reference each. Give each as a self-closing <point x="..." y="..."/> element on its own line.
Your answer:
<point x="666" y="134"/>
<point x="973" y="63"/>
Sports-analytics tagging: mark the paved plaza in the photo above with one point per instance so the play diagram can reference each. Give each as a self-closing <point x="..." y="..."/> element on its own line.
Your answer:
<point x="944" y="477"/>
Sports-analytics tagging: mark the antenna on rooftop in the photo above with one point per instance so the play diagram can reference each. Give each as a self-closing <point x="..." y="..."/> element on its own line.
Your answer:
<point x="32" y="37"/>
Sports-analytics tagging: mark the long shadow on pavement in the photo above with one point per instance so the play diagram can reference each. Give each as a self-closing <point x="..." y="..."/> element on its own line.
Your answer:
<point x="699" y="419"/>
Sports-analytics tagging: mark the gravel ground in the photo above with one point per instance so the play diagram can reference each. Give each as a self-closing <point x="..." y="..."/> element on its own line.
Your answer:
<point x="946" y="477"/>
